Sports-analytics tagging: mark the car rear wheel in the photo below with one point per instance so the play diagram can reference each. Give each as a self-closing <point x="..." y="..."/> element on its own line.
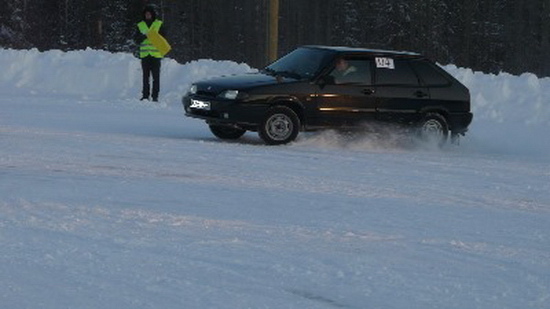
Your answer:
<point x="226" y="132"/>
<point x="281" y="125"/>
<point x="433" y="129"/>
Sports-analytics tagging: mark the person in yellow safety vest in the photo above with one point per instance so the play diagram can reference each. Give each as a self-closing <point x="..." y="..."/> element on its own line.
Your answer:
<point x="150" y="56"/>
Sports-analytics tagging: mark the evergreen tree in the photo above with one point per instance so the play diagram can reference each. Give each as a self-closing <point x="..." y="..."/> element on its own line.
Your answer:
<point x="488" y="35"/>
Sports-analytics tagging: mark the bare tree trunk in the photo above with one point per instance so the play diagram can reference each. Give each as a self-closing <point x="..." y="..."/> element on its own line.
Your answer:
<point x="100" y="32"/>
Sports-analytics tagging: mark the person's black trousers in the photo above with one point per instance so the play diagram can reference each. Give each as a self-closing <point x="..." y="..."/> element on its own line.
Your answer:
<point x="151" y="66"/>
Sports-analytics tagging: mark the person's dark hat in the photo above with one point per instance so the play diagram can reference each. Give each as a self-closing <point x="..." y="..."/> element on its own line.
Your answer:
<point x="151" y="9"/>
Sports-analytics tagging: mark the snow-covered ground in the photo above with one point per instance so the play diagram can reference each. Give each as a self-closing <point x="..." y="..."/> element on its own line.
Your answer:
<point x="109" y="202"/>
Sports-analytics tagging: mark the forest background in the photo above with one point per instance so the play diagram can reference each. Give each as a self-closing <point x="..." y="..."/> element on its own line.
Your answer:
<point x="486" y="35"/>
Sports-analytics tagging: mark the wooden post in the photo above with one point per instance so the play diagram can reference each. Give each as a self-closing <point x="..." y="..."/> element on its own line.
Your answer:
<point x="273" y="37"/>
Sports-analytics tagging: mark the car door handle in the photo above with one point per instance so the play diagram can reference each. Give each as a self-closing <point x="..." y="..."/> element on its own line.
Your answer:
<point x="367" y="91"/>
<point x="420" y="94"/>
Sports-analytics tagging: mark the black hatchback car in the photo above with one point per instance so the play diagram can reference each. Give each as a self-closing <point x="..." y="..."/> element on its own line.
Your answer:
<point x="320" y="87"/>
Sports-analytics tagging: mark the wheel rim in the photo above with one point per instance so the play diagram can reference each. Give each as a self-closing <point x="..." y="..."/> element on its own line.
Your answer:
<point x="279" y="127"/>
<point x="433" y="130"/>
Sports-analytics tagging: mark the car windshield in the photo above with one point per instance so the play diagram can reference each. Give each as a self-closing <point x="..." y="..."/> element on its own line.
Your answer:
<point x="302" y="63"/>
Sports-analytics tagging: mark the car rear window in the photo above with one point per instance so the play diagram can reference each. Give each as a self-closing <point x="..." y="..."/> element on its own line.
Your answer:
<point x="395" y="72"/>
<point x="429" y="74"/>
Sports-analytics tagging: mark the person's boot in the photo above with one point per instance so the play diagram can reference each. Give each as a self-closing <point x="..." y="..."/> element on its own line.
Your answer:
<point x="144" y="98"/>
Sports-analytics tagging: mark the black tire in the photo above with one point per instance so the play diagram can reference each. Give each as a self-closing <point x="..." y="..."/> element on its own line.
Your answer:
<point x="433" y="129"/>
<point x="281" y="125"/>
<point x="226" y="132"/>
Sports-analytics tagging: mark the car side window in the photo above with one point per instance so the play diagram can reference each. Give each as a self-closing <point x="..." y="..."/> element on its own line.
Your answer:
<point x="352" y="71"/>
<point x="429" y="74"/>
<point x="395" y="72"/>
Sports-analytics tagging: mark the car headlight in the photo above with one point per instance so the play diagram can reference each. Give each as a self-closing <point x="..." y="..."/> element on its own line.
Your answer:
<point x="192" y="90"/>
<point x="230" y="94"/>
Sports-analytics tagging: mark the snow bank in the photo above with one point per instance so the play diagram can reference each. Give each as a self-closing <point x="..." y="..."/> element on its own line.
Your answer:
<point x="523" y="99"/>
<point x="94" y="74"/>
<point x="511" y="113"/>
<point x="510" y="110"/>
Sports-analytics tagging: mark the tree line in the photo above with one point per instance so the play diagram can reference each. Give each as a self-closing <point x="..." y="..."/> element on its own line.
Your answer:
<point x="485" y="35"/>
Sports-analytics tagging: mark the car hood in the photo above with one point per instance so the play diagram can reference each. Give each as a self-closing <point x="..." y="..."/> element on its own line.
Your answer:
<point x="240" y="82"/>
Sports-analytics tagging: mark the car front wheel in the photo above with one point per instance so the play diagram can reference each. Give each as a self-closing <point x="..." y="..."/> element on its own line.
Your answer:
<point x="281" y="125"/>
<point x="433" y="129"/>
<point x="226" y="132"/>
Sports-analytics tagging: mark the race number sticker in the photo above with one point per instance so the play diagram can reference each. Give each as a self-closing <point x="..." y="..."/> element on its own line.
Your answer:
<point x="385" y="63"/>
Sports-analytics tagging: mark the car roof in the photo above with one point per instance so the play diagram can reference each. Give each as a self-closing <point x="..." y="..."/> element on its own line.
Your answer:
<point x="358" y="50"/>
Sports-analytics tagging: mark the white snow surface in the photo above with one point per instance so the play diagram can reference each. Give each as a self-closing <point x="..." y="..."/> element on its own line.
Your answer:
<point x="109" y="202"/>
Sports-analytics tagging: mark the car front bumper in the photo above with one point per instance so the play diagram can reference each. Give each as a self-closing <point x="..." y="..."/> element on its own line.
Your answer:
<point x="221" y="111"/>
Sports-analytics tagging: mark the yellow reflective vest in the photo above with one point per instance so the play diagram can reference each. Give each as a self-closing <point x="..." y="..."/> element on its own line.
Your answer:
<point x="146" y="48"/>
